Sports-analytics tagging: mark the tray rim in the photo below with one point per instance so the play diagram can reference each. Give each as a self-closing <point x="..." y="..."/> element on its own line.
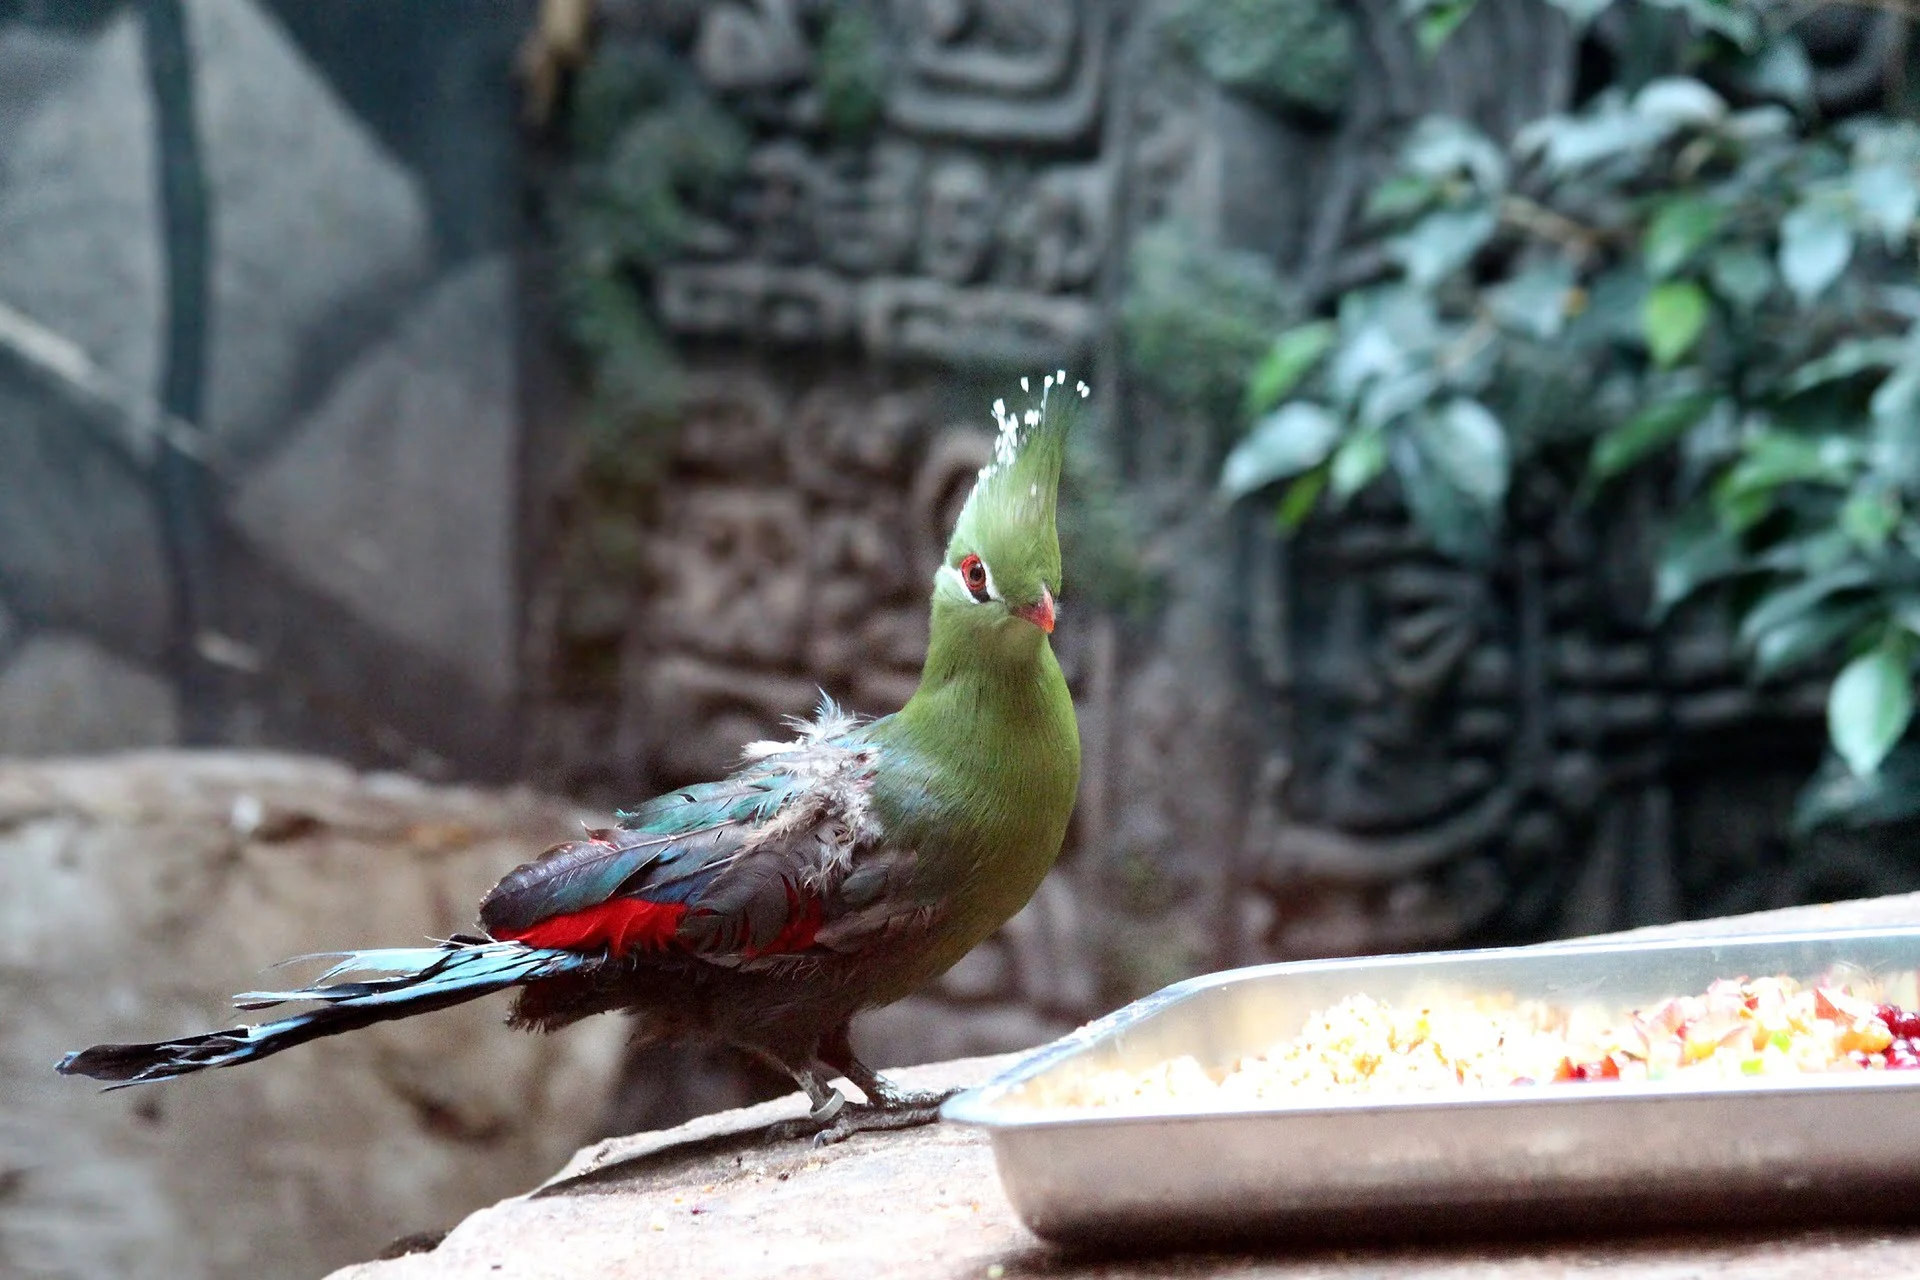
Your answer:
<point x="981" y="1106"/>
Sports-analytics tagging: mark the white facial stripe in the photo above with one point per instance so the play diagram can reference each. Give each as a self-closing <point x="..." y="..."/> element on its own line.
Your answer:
<point x="949" y="573"/>
<point x="992" y="590"/>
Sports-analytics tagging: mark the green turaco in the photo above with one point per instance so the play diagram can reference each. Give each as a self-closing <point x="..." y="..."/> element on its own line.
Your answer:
<point x="827" y="875"/>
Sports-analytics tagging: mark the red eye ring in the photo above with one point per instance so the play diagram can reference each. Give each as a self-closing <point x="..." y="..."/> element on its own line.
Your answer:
<point x="973" y="572"/>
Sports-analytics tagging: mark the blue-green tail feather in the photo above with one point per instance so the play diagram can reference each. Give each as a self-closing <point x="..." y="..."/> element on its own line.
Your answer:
<point x="418" y="980"/>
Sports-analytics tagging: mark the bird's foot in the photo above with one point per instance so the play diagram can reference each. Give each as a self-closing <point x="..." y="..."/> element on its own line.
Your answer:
<point x="886" y="1097"/>
<point x="824" y="1113"/>
<point x="888" y="1109"/>
<point x="868" y="1118"/>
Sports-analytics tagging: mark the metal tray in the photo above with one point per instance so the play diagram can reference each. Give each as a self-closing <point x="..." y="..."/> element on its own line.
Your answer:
<point x="1529" y="1158"/>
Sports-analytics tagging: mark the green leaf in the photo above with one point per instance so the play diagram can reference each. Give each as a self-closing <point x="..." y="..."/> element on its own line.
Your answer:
<point x="1785" y="604"/>
<point x="1809" y="555"/>
<point x="1888" y="198"/>
<point x="1582" y="12"/>
<point x="1680" y="229"/>
<point x="1809" y="636"/>
<point x="1300" y="499"/>
<point x="1468" y="446"/>
<point x="1392" y="397"/>
<point x="1647" y="432"/>
<point x="1869" y="707"/>
<point x="1748" y="491"/>
<point x="1443" y="242"/>
<point x="1870" y="515"/>
<point x="1679" y="101"/>
<point x="1441" y="148"/>
<point x="1290" y="358"/>
<point x="1293" y="438"/>
<point x="1782" y="71"/>
<point x="1672" y="319"/>
<point x="1459" y="525"/>
<point x="1438" y="22"/>
<point x="1895" y="405"/>
<point x="1816" y="243"/>
<point x="1400" y="196"/>
<point x="1382" y="332"/>
<point x="1848" y="357"/>
<point x="1739" y="510"/>
<point x="1741" y="275"/>
<point x="1893" y="453"/>
<point x="1535" y="301"/>
<point x="1838" y="795"/>
<point x="1774" y="458"/>
<point x="1738" y="23"/>
<point x="1607" y="129"/>
<point x="1697" y="554"/>
<point x="1356" y="464"/>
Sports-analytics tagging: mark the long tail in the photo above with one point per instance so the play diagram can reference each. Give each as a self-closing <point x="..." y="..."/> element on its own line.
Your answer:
<point x="420" y="979"/>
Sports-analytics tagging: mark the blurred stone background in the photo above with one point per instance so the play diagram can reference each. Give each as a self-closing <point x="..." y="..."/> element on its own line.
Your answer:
<point x="558" y="394"/>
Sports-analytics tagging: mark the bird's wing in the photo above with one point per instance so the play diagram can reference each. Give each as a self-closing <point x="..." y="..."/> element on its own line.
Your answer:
<point x="783" y="857"/>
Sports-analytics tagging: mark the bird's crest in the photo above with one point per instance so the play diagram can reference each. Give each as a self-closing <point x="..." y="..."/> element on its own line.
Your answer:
<point x="1008" y="519"/>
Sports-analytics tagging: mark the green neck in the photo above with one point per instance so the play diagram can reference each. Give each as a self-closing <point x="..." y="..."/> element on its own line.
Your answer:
<point x="992" y="752"/>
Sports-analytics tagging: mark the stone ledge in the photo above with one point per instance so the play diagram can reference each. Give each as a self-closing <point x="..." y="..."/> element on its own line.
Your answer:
<point x="713" y="1198"/>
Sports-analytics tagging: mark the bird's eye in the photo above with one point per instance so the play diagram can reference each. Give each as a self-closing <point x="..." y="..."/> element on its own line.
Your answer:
<point x="973" y="572"/>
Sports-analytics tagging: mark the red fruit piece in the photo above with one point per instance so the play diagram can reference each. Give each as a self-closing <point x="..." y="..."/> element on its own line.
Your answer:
<point x="1903" y="1024"/>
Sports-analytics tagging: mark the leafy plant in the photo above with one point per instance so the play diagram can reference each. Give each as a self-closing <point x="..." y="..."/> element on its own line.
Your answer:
<point x="1659" y="278"/>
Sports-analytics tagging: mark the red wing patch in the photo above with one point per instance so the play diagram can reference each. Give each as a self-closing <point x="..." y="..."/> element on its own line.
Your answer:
<point x="622" y="925"/>
<point x="803" y="921"/>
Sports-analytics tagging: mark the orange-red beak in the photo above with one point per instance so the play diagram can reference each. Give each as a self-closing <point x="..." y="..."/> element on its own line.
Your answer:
<point x="1041" y="614"/>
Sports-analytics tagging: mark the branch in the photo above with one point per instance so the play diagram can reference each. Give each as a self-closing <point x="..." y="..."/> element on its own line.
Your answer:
<point x="180" y="482"/>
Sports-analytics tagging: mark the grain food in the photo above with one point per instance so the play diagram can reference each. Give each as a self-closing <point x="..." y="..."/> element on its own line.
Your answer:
<point x="1736" y="1028"/>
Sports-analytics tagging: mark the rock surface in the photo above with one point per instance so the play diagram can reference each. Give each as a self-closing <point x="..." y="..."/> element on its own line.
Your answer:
<point x="136" y="893"/>
<point x="32" y="64"/>
<point x="63" y="694"/>
<point x="80" y="538"/>
<point x="312" y="221"/>
<point x="397" y="495"/>
<point x="713" y="1198"/>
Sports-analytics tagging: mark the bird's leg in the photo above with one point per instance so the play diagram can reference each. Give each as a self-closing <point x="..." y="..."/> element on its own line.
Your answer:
<point x="834" y="1119"/>
<point x="828" y="1104"/>
<point x="836" y="1051"/>
<point x="890" y="1097"/>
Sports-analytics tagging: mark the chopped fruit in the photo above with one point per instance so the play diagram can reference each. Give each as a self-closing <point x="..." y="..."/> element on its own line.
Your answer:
<point x="1747" y="1027"/>
<point x="1903" y="1024"/>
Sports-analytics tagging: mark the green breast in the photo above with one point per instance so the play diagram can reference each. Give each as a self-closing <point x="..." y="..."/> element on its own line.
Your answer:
<point x="979" y="776"/>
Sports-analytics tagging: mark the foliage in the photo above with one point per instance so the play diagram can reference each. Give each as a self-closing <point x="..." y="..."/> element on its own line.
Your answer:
<point x="649" y="146"/>
<point x="1100" y="539"/>
<point x="1196" y="318"/>
<point x="852" y="71"/>
<point x="1659" y="279"/>
<point x="1282" y="54"/>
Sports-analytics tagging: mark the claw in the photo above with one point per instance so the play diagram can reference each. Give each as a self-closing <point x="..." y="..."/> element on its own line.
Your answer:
<point x="889" y="1098"/>
<point x="831" y="1124"/>
<point x="858" y="1118"/>
<point x="834" y="1119"/>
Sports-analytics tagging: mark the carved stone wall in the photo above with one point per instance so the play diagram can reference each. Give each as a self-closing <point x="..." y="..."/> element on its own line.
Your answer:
<point x="1337" y="744"/>
<point x="1341" y="743"/>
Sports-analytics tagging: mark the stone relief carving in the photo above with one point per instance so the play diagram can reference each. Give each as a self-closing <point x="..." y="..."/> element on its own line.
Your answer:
<point x="1462" y="753"/>
<point x="1338" y="744"/>
<point x="930" y="237"/>
<point x="1003" y="70"/>
<point x="791" y="551"/>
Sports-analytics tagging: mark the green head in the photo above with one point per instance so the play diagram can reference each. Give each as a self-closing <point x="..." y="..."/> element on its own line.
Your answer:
<point x="1003" y="561"/>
